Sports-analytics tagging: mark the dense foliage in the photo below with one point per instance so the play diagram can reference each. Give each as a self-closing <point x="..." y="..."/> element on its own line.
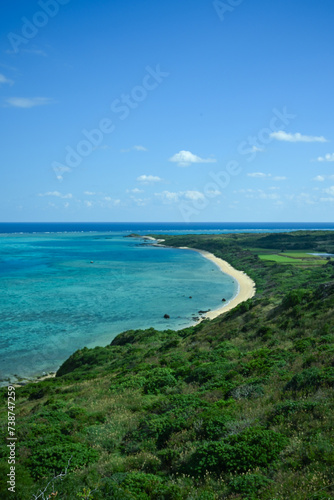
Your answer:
<point x="240" y="407"/>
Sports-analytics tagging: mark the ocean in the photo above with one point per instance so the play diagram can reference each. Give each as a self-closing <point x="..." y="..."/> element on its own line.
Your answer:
<point x="161" y="227"/>
<point x="69" y="285"/>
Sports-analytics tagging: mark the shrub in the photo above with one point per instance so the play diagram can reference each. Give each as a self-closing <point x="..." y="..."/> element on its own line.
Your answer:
<point x="249" y="485"/>
<point x="158" y="379"/>
<point x="85" y="359"/>
<point x="265" y="332"/>
<point x="211" y="427"/>
<point x="247" y="450"/>
<point x="311" y="379"/>
<point x="247" y="391"/>
<point x="302" y="345"/>
<point x="283" y="410"/>
<point x="141" y="485"/>
<point x="296" y="297"/>
<point x="45" y="462"/>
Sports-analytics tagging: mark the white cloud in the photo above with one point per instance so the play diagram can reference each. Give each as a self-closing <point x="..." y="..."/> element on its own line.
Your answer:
<point x="328" y="157"/>
<point x="174" y="197"/>
<point x="257" y="194"/>
<point x="134" y="148"/>
<point x="284" y="136"/>
<point x="193" y="195"/>
<point x="213" y="192"/>
<point x="66" y="205"/>
<point x="59" y="171"/>
<point x="306" y="198"/>
<point x="302" y="199"/>
<point x="135" y="190"/>
<point x="245" y="191"/>
<point x="331" y="200"/>
<point x="88" y="203"/>
<point x="319" y="178"/>
<point x="112" y="201"/>
<point x="258" y="174"/>
<point x="261" y="175"/>
<point x="146" y="179"/>
<point x="185" y="158"/>
<point x="3" y="79"/>
<point x="25" y="102"/>
<point x="90" y="193"/>
<point x="269" y="196"/>
<point x="329" y="190"/>
<point x="140" y="202"/>
<point x="57" y="194"/>
<point x="255" y="149"/>
<point x="168" y="196"/>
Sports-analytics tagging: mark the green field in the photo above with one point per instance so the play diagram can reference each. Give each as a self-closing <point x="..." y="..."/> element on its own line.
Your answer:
<point x="279" y="258"/>
<point x="292" y="257"/>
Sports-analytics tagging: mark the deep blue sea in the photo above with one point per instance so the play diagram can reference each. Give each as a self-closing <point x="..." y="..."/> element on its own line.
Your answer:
<point x="161" y="227"/>
<point x="69" y="285"/>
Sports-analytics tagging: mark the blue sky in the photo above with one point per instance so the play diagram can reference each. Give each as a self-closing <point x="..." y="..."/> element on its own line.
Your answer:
<point x="192" y="110"/>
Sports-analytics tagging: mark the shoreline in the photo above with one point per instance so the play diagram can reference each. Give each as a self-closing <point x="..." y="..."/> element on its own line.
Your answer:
<point x="246" y="286"/>
<point x="246" y="290"/>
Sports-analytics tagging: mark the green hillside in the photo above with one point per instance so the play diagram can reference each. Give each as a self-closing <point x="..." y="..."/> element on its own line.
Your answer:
<point x="240" y="407"/>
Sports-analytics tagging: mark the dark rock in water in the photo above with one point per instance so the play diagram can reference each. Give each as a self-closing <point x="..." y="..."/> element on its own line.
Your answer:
<point x="203" y="312"/>
<point x="223" y="300"/>
<point x="190" y="297"/>
<point x="132" y="235"/>
<point x="166" y="316"/>
<point x="92" y="262"/>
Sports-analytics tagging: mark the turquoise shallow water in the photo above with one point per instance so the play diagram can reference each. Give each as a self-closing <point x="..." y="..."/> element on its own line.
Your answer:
<point x="54" y="300"/>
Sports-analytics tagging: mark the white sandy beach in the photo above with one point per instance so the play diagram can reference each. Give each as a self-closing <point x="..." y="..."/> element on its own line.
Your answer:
<point x="246" y="286"/>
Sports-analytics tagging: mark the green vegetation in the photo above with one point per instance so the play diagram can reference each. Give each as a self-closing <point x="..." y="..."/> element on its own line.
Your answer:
<point x="280" y="258"/>
<point x="240" y="407"/>
<point x="300" y="259"/>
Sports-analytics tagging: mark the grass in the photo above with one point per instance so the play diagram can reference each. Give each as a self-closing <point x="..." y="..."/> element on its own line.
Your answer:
<point x="282" y="259"/>
<point x="295" y="257"/>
